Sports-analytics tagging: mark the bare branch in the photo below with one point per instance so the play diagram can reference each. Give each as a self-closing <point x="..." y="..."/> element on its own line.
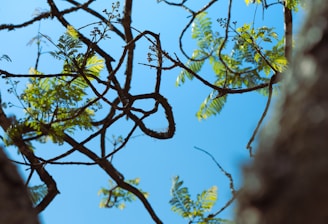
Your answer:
<point x="36" y="164"/>
<point x="249" y="147"/>
<point x="114" y="174"/>
<point x="227" y="174"/>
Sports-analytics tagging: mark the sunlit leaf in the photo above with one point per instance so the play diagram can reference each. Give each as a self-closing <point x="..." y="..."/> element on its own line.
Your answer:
<point x="201" y="27"/>
<point x="195" y="66"/>
<point x="71" y="31"/>
<point x="211" y="106"/>
<point x="252" y="1"/>
<point x="280" y="63"/>
<point x="208" y="198"/>
<point x="95" y="65"/>
<point x="115" y="196"/>
<point x="33" y="71"/>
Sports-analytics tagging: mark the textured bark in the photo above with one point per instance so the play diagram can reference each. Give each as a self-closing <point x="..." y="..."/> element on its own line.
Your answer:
<point x="15" y="205"/>
<point x="288" y="181"/>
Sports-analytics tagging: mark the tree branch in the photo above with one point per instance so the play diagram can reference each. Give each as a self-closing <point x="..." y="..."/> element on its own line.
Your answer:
<point x="114" y="174"/>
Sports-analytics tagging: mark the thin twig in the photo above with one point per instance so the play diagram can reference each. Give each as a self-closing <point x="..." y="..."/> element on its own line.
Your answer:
<point x="249" y="144"/>
<point x="227" y="174"/>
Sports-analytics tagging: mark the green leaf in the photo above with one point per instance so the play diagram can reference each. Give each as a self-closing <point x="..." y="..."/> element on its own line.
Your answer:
<point x="94" y="65"/>
<point x="212" y="105"/>
<point x="293" y="4"/>
<point x="181" y="202"/>
<point x="201" y="27"/>
<point x="257" y="57"/>
<point x="183" y="205"/>
<point x="195" y="66"/>
<point x="217" y="65"/>
<point x="280" y="63"/>
<point x="37" y="193"/>
<point x="58" y="112"/>
<point x="207" y="198"/>
<point x="117" y="197"/>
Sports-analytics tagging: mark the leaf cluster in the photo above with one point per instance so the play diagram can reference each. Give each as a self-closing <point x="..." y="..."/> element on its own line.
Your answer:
<point x="196" y="211"/>
<point x="57" y="104"/>
<point x="291" y="4"/>
<point x="114" y="196"/>
<point x="255" y="54"/>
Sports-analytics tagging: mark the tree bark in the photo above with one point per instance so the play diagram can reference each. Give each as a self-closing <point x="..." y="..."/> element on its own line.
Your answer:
<point x="15" y="205"/>
<point x="288" y="181"/>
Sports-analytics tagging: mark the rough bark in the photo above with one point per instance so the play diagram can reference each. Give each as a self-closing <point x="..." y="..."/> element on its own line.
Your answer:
<point x="15" y="205"/>
<point x="288" y="181"/>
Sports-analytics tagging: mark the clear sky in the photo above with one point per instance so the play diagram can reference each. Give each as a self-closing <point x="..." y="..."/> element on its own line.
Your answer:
<point x="154" y="161"/>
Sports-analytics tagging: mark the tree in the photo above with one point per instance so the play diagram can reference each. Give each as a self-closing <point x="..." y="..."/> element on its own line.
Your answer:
<point x="287" y="183"/>
<point x="15" y="205"/>
<point x="90" y="81"/>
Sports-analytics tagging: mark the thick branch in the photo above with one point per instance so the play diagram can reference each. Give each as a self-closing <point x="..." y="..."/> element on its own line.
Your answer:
<point x="60" y="16"/>
<point x="126" y="22"/>
<point x="36" y="164"/>
<point x="114" y="174"/>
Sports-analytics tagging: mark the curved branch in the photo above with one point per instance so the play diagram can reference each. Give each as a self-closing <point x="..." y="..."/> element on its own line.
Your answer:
<point x="227" y="174"/>
<point x="114" y="174"/>
<point x="194" y="14"/>
<point x="249" y="147"/>
<point x="35" y="164"/>
<point x="168" y="112"/>
<point x="126" y="22"/>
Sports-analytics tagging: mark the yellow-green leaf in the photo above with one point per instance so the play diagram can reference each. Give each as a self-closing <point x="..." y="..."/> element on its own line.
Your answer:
<point x="252" y="1"/>
<point x="72" y="32"/>
<point x="280" y="63"/>
<point x="34" y="71"/>
<point x="257" y="57"/>
<point x="95" y="65"/>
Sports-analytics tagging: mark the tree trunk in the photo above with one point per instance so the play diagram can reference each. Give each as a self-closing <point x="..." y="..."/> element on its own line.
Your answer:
<point x="288" y="181"/>
<point x="15" y="205"/>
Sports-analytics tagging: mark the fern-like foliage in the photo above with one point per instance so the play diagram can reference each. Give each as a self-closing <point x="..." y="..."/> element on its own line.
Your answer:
<point x="194" y="210"/>
<point x="181" y="201"/>
<point x="212" y="105"/>
<point x="37" y="193"/>
<point x="115" y="196"/>
<point x="57" y="104"/>
<point x="291" y="4"/>
<point x="253" y="56"/>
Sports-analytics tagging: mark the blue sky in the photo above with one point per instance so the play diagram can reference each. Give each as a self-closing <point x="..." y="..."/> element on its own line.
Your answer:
<point x="154" y="161"/>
